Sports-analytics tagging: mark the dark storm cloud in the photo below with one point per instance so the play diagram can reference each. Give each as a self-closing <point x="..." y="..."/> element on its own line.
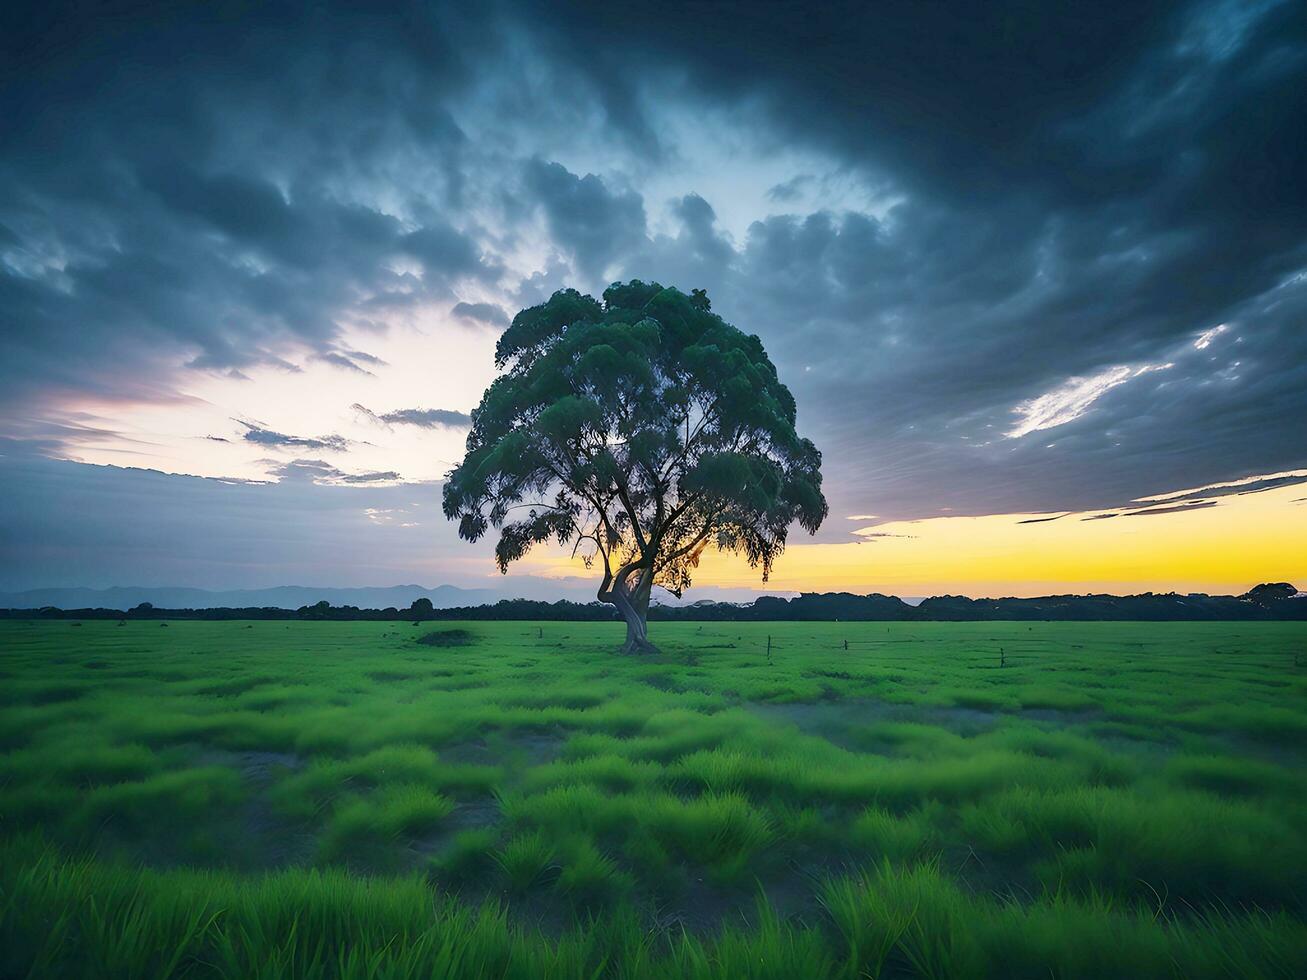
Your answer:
<point x="177" y="186"/>
<point x="595" y="222"/>
<point x="443" y="250"/>
<point x="1078" y="187"/>
<point x="1062" y="189"/>
<point x="427" y="418"/>
<point x="962" y="103"/>
<point x="695" y="254"/>
<point x="910" y="340"/>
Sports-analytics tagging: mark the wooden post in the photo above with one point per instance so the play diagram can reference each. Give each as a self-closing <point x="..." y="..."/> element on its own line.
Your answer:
<point x="768" y="648"/>
<point x="846" y="644"/>
<point x="1002" y="657"/>
<point x="541" y="634"/>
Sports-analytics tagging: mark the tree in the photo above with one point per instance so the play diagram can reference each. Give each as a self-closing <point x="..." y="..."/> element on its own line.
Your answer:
<point x="421" y="608"/>
<point x="640" y="430"/>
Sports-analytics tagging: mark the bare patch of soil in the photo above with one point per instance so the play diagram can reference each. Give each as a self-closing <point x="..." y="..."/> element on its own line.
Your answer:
<point x="264" y="839"/>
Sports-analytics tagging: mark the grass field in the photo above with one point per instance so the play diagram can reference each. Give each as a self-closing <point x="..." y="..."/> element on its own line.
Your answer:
<point x="336" y="799"/>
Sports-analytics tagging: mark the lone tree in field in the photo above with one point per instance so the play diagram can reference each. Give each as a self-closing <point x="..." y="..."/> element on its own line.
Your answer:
<point x="640" y="430"/>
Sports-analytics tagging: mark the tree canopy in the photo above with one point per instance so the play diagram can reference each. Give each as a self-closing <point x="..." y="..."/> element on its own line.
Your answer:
<point x="640" y="430"/>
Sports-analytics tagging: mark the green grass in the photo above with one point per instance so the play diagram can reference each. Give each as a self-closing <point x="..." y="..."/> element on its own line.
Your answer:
<point x="336" y="799"/>
<point x="365" y="827"/>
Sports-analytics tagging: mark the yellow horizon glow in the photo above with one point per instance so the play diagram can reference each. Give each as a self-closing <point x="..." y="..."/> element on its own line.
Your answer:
<point x="1227" y="548"/>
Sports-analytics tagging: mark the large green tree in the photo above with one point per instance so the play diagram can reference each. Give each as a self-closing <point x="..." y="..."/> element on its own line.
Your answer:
<point x="639" y="430"/>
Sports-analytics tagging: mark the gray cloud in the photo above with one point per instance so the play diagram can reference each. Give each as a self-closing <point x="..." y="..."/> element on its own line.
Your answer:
<point x="1045" y="229"/>
<point x="348" y="360"/>
<point x="445" y="251"/>
<point x="324" y="473"/>
<point x="911" y="340"/>
<point x="1096" y="187"/>
<point x="222" y="205"/>
<point x="427" y="418"/>
<point x="258" y="435"/>
<point x="790" y="190"/>
<point x="487" y="313"/>
<point x="596" y="223"/>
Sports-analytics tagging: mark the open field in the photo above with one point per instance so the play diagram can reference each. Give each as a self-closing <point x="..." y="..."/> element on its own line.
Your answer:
<point x="336" y="799"/>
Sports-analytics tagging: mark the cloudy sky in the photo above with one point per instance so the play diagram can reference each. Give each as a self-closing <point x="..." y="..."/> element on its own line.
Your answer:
<point x="1024" y="265"/>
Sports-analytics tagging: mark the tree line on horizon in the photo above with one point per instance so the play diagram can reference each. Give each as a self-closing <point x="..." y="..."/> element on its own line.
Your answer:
<point x="1272" y="601"/>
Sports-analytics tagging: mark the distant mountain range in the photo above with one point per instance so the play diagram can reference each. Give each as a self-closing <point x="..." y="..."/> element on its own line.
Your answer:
<point x="1279" y="601"/>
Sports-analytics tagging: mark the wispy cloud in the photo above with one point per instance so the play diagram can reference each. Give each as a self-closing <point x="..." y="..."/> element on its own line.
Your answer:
<point x="388" y="515"/>
<point x="1204" y="339"/>
<point x="349" y="360"/>
<point x="790" y="190"/>
<point x="1071" y="399"/>
<point x="1177" y="509"/>
<point x="1248" y="484"/>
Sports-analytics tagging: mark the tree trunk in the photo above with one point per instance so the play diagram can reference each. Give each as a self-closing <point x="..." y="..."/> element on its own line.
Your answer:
<point x="633" y="604"/>
<point x="637" y="635"/>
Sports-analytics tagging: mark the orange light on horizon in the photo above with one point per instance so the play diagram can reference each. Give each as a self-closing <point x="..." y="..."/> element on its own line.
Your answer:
<point x="1226" y="546"/>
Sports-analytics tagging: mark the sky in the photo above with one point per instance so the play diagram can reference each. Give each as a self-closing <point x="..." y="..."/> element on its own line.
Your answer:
<point x="1036" y="274"/>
